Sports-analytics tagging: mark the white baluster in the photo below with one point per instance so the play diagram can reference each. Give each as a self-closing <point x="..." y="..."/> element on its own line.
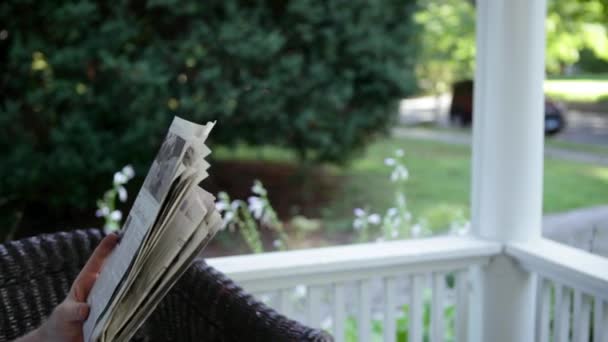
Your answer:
<point x="562" y="313"/>
<point x="390" y="325"/>
<point x="600" y="321"/>
<point x="437" y="309"/>
<point x="284" y="304"/>
<point x="339" y="312"/>
<point x="582" y="311"/>
<point x="462" y="306"/>
<point x="365" y="318"/>
<point x="314" y="306"/>
<point x="543" y="313"/>
<point x="416" y="328"/>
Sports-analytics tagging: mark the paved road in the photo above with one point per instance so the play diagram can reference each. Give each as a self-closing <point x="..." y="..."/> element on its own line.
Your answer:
<point x="585" y="228"/>
<point x="463" y="137"/>
<point x="585" y="127"/>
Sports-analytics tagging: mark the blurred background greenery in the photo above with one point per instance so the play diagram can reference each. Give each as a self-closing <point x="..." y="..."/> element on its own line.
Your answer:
<point x="305" y="94"/>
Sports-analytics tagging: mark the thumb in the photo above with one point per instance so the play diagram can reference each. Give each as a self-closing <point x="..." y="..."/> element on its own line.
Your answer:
<point x="72" y="311"/>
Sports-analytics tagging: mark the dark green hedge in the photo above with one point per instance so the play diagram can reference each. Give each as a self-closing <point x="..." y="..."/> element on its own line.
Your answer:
<point x="89" y="86"/>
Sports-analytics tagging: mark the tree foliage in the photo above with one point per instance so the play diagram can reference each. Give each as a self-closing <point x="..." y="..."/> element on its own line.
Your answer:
<point x="89" y="86"/>
<point x="573" y="26"/>
<point x="447" y="38"/>
<point x="447" y="43"/>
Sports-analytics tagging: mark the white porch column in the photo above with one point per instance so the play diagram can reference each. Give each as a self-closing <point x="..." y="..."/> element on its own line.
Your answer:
<point x="507" y="160"/>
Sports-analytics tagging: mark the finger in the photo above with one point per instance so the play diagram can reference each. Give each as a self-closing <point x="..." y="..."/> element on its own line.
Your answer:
<point x="93" y="266"/>
<point x="71" y="311"/>
<point x="100" y="254"/>
<point x="82" y="286"/>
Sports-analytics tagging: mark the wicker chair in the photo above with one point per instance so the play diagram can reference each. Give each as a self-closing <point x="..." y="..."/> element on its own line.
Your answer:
<point x="36" y="273"/>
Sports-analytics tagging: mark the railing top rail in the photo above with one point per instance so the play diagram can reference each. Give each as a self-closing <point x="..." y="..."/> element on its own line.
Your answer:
<point x="567" y="265"/>
<point x="357" y="258"/>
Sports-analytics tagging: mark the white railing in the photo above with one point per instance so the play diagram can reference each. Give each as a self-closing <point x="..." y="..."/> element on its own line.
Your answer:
<point x="357" y="291"/>
<point x="573" y="290"/>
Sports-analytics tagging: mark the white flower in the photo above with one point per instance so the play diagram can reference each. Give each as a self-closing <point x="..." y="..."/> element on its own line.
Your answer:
<point x="394" y="176"/>
<point x="122" y="193"/>
<point x="405" y="174"/>
<point x="258" y="188"/>
<point x="235" y="205"/>
<point x="116" y="215"/>
<point x="399" y="153"/>
<point x="228" y="217"/>
<point x="128" y="171"/>
<point x="256" y="206"/>
<point x="301" y="291"/>
<point x="221" y="206"/>
<point x="394" y="233"/>
<point x="359" y="212"/>
<point x="102" y="212"/>
<point x="358" y="224"/>
<point x="389" y="162"/>
<point x="223" y="196"/>
<point x="391" y="212"/>
<point x="374" y="219"/>
<point x="460" y="228"/>
<point x="416" y="230"/>
<point x="401" y="200"/>
<point x="277" y="244"/>
<point x="399" y="173"/>
<point x="119" y="178"/>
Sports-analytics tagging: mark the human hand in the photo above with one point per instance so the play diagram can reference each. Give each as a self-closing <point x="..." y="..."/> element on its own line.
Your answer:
<point x="65" y="323"/>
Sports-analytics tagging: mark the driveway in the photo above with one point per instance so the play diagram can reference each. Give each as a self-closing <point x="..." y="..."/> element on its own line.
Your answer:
<point x="463" y="137"/>
<point x="583" y="126"/>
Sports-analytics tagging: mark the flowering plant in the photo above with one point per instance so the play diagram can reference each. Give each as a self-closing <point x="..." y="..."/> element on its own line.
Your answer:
<point x="247" y="217"/>
<point x="397" y="222"/>
<point x="106" y="206"/>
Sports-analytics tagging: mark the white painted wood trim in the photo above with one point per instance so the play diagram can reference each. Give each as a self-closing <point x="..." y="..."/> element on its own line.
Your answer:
<point x="285" y="302"/>
<point x="562" y="313"/>
<point x="543" y="318"/>
<point x="416" y="313"/>
<point x="462" y="305"/>
<point x="364" y="319"/>
<point x="581" y="318"/>
<point x="390" y="323"/>
<point x="314" y="306"/>
<point x="354" y="262"/>
<point x="339" y="317"/>
<point x="572" y="267"/>
<point x="437" y="307"/>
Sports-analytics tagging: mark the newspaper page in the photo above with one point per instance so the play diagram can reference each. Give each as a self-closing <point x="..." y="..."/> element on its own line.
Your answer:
<point x="199" y="240"/>
<point x="173" y="238"/>
<point x="192" y="170"/>
<point x="165" y="168"/>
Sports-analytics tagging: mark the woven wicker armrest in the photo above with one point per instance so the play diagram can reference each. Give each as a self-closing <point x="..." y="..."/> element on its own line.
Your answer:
<point x="36" y="274"/>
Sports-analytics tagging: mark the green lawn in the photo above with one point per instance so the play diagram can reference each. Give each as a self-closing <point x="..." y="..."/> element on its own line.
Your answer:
<point x="600" y="150"/>
<point x="439" y="181"/>
<point x="586" y="88"/>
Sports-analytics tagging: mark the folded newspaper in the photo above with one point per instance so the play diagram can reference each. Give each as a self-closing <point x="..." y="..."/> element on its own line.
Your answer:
<point x="170" y="222"/>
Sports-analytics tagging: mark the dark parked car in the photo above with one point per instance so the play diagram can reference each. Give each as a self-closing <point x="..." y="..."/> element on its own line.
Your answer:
<point x="461" y="110"/>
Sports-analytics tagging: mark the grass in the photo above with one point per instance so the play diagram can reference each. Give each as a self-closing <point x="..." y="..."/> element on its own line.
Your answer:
<point x="439" y="181"/>
<point x="600" y="150"/>
<point x="439" y="178"/>
<point x="582" y="88"/>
